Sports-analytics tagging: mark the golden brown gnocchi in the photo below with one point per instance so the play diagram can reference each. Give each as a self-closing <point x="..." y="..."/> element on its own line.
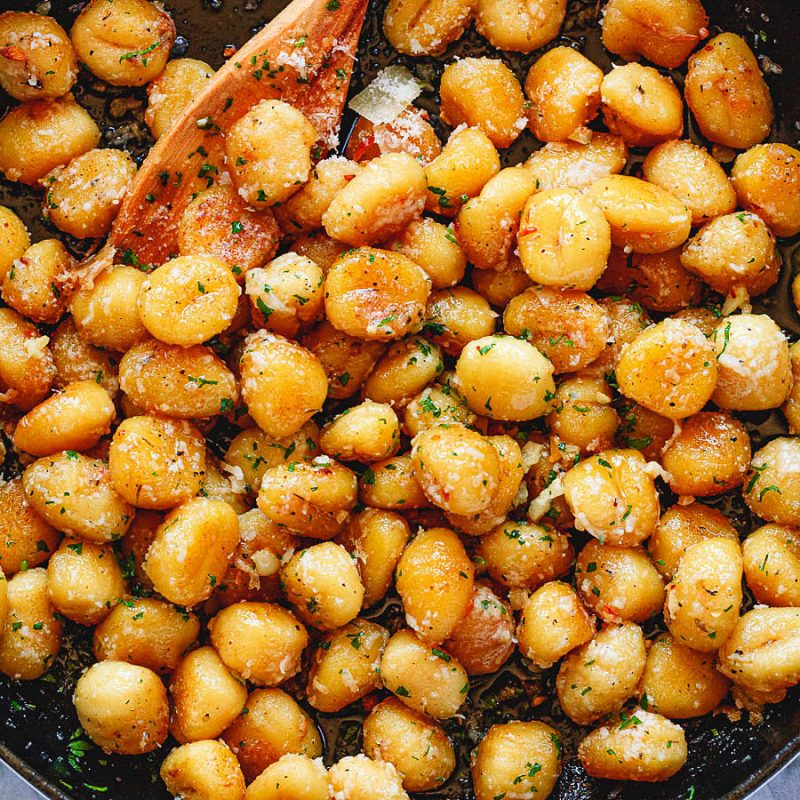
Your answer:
<point x="122" y="707"/>
<point x="84" y="581"/>
<point x="424" y="28"/>
<point x="435" y="579"/>
<point x="642" y="216"/>
<point x="564" y="239"/>
<point x="156" y="462"/>
<point x="613" y="497"/>
<point x="517" y="758"/>
<point x="379" y="202"/>
<point x="641" y="105"/>
<point x="726" y="92"/>
<point x="563" y="88"/>
<point x="416" y="745"/>
<point x="554" y="621"/>
<point x="483" y="93"/>
<point x="203" y="769"/>
<point x="77" y="495"/>
<point x="691" y="173"/>
<point x="746" y="381"/>
<point x="271" y="726"/>
<point x="37" y="60"/>
<point x="260" y="642"/>
<point x="149" y="632"/>
<point x="126" y="45"/>
<point x="83" y="197"/>
<point x="597" y="678"/>
<point x="762" y="653"/>
<point x="766" y="179"/>
<point x="670" y="368"/>
<point x="618" y="583"/>
<point x="323" y="584"/>
<point x="172" y="92"/>
<point x="662" y="31"/>
<point x="219" y="223"/>
<point x="640" y="746"/>
<point x="519" y="25"/>
<point x="33" y="285"/>
<point x="283" y="384"/>
<point x="770" y="556"/>
<point x="32" y="632"/>
<point x="271" y="133"/>
<point x="345" y="665"/>
<point x="731" y="251"/>
<point x="679" y="682"/>
<point x="75" y="419"/>
<point x="41" y="135"/>
<point x="426" y="679"/>
<point x="200" y="536"/>
<point x="708" y="455"/>
<point x="703" y="600"/>
<point x="484" y="640"/>
<point x="376" y="294"/>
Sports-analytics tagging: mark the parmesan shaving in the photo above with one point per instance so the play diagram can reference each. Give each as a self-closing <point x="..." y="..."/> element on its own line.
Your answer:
<point x="541" y="503"/>
<point x="739" y="299"/>
<point x="393" y="90"/>
<point x="266" y="562"/>
<point x="235" y="477"/>
<point x="655" y="470"/>
<point x="532" y="454"/>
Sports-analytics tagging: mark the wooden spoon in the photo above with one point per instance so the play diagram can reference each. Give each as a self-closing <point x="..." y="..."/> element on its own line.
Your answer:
<point x="304" y="56"/>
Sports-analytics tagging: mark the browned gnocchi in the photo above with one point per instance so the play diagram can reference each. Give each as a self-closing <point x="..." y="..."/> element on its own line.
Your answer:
<point x="41" y="135"/>
<point x="376" y="294"/>
<point x="37" y="60"/>
<point x="640" y="746"/>
<point x="703" y="600"/>
<point x="641" y="105"/>
<point x="609" y="666"/>
<point x="662" y="31"/>
<point x="271" y="726"/>
<point x="122" y="707"/>
<point x="416" y="745"/>
<point x="670" y="368"/>
<point x="563" y="88"/>
<point x="382" y="417"/>
<point x="726" y="92"/>
<point x="766" y="180"/>
<point x="517" y="757"/>
<point x="127" y="45"/>
<point x="435" y="581"/>
<point x="484" y="93"/>
<point x="82" y="198"/>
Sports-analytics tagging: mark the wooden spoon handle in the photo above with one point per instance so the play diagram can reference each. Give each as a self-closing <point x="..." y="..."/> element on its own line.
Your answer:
<point x="304" y="56"/>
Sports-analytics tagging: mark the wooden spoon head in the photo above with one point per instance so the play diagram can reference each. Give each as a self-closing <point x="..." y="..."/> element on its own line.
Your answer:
<point x="304" y="56"/>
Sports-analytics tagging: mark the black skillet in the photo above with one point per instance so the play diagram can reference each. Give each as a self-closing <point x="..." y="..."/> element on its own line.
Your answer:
<point x="39" y="735"/>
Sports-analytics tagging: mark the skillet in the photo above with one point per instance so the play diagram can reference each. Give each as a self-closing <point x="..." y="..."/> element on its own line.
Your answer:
<point x="40" y="736"/>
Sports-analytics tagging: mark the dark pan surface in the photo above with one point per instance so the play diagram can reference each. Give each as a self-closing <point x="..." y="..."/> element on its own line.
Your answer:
<point x="40" y="736"/>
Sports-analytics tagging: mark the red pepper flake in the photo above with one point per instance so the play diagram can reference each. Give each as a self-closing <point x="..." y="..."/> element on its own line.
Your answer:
<point x="13" y="53"/>
<point x="366" y="142"/>
<point x="538" y="700"/>
<point x="369" y="702"/>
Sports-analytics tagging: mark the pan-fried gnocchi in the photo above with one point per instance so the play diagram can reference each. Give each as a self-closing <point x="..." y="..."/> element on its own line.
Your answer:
<point x="471" y="402"/>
